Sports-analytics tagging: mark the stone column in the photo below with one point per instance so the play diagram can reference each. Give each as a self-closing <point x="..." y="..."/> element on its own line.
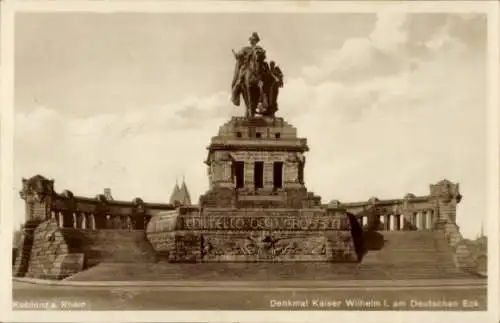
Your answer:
<point x="226" y="171"/>
<point x="75" y="220"/>
<point x="364" y="221"/>
<point x="291" y="174"/>
<point x="391" y="222"/>
<point x="92" y="221"/>
<point x="268" y="175"/>
<point x="84" y="220"/>
<point x="401" y="221"/>
<point x="248" y="175"/>
<point x="225" y="179"/>
<point x="61" y="219"/>
<point x="428" y="215"/>
<point x="216" y="171"/>
<point x="54" y="216"/>
<point x="424" y="220"/>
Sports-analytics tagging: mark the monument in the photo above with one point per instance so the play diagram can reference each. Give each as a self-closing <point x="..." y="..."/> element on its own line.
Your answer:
<point x="257" y="209"/>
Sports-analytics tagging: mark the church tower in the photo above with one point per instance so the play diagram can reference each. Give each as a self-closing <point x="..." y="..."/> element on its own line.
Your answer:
<point x="180" y="194"/>
<point x="175" y="192"/>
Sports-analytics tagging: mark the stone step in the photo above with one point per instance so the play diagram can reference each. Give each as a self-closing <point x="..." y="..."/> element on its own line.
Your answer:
<point x="118" y="246"/>
<point x="257" y="271"/>
<point x="413" y="254"/>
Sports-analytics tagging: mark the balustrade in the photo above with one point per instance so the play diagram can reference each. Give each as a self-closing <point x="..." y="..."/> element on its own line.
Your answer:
<point x="101" y="218"/>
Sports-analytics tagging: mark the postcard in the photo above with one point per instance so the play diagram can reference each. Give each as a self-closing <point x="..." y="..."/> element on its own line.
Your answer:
<point x="249" y="161"/>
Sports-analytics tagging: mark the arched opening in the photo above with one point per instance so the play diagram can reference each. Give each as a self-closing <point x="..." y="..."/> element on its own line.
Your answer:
<point x="68" y="219"/>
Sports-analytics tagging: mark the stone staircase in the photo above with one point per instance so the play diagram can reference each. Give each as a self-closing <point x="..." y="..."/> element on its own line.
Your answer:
<point x="413" y="254"/>
<point x="406" y="255"/>
<point x="118" y="246"/>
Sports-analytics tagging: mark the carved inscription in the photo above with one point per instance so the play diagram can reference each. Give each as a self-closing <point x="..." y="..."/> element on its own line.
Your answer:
<point x="264" y="223"/>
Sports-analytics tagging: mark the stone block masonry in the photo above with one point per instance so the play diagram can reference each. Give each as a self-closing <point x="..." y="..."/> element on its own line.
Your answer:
<point x="51" y="252"/>
<point x="46" y="253"/>
<point x="257" y="209"/>
<point x="234" y="159"/>
<point x="61" y="231"/>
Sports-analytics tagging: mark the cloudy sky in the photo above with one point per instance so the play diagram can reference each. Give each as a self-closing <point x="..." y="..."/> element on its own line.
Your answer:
<point x="390" y="103"/>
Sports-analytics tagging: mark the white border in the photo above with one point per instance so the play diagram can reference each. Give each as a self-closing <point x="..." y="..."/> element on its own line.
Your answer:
<point x="6" y="149"/>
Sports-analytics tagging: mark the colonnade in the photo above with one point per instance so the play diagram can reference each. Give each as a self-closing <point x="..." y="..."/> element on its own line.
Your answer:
<point x="421" y="220"/>
<point x="91" y="221"/>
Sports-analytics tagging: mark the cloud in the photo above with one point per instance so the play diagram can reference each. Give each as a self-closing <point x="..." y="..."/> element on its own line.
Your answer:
<point x="389" y="130"/>
<point x="135" y="153"/>
<point x="358" y="58"/>
<point x="389" y="34"/>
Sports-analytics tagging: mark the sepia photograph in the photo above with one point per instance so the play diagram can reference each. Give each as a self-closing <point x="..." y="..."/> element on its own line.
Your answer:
<point x="272" y="160"/>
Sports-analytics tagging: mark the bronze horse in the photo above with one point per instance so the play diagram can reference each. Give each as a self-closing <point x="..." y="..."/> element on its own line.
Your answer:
<point x="258" y="85"/>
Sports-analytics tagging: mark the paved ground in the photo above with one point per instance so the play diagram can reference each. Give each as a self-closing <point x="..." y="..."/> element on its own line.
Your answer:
<point x="256" y="297"/>
<point x="261" y="271"/>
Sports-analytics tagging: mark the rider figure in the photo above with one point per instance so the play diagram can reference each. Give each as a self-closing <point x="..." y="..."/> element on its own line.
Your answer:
<point x="242" y="58"/>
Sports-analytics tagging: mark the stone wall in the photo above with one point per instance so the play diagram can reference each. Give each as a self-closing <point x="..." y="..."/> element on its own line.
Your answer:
<point x="478" y="249"/>
<point x="52" y="252"/>
<point x="48" y="254"/>
<point x="99" y="213"/>
<point x="247" y="198"/>
<point x="462" y="254"/>
<point x="57" y="235"/>
<point x="22" y="258"/>
<point x="428" y="212"/>
<point x="69" y="211"/>
<point x="249" y="142"/>
<point x="436" y="211"/>
<point x="219" y="234"/>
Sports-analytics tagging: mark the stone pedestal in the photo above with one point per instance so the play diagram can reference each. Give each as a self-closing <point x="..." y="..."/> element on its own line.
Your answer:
<point x="258" y="207"/>
<point x="261" y="160"/>
<point x="248" y="235"/>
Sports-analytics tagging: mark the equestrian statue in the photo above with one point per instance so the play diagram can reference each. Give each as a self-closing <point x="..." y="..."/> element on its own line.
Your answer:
<point x="257" y="81"/>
